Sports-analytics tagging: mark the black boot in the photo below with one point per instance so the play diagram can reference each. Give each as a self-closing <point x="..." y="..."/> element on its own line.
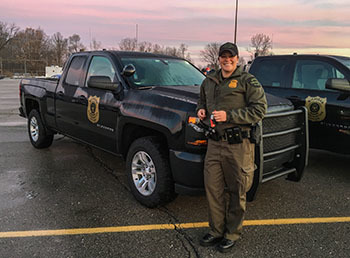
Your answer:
<point x="225" y="245"/>
<point x="209" y="240"/>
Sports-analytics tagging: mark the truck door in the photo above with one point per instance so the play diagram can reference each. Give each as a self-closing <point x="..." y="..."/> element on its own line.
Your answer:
<point x="101" y="111"/>
<point x="325" y="108"/>
<point x="71" y="98"/>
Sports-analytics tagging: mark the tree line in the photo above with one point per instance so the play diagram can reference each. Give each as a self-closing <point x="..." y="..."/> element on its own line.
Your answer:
<point x="29" y="50"/>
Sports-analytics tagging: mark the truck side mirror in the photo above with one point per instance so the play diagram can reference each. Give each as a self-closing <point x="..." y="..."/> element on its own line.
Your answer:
<point x="103" y="82"/>
<point x="128" y="70"/>
<point x="338" y="84"/>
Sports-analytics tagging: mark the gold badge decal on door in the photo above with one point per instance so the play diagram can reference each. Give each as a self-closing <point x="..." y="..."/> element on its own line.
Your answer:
<point x="316" y="107"/>
<point x="93" y="112"/>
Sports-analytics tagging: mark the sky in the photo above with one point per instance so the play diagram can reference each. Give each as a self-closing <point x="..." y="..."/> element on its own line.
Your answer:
<point x="302" y="26"/>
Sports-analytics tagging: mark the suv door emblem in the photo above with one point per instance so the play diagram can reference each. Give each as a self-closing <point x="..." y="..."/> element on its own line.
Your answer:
<point x="316" y="107"/>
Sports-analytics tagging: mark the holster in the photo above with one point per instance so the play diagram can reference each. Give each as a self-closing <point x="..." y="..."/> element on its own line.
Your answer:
<point x="255" y="136"/>
<point x="212" y="134"/>
<point x="234" y="135"/>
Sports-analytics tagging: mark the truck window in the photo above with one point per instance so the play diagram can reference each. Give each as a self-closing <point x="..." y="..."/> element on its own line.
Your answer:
<point x="313" y="74"/>
<point x="101" y="66"/>
<point x="344" y="60"/>
<point x="75" y="70"/>
<point x="271" y="72"/>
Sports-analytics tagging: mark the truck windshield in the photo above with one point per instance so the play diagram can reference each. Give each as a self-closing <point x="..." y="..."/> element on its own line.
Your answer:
<point x="163" y="72"/>
<point x="344" y="60"/>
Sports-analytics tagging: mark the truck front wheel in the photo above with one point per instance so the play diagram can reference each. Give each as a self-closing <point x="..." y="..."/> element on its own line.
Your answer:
<point x="37" y="132"/>
<point x="149" y="172"/>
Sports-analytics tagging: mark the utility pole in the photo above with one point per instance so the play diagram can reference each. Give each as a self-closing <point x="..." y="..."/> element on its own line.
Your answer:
<point x="90" y="38"/>
<point x="235" y="38"/>
<point x="137" y="32"/>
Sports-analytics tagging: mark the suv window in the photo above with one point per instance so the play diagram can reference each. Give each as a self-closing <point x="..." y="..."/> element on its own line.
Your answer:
<point x="271" y="72"/>
<point x="75" y="70"/>
<point x="101" y="66"/>
<point x="313" y="74"/>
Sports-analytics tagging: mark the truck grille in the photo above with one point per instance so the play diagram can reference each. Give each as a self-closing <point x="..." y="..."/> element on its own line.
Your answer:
<point x="283" y="135"/>
<point x="280" y="142"/>
<point x="280" y="123"/>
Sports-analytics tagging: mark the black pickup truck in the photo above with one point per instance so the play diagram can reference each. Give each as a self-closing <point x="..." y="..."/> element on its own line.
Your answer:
<point x="139" y="105"/>
<point x="319" y="82"/>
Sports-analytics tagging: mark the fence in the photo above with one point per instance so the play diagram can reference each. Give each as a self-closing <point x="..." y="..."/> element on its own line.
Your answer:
<point x="23" y="67"/>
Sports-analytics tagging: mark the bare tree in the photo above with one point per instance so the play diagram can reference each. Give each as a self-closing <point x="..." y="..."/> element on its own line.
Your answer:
<point x="96" y="45"/>
<point x="145" y="46"/>
<point x="7" y="33"/>
<point x="171" y="51"/>
<point x="60" y="48"/>
<point x="261" y="45"/>
<point x="210" y="54"/>
<point x="156" y="48"/>
<point x="182" y="50"/>
<point x="33" y="49"/>
<point x="128" y="44"/>
<point x="74" y="44"/>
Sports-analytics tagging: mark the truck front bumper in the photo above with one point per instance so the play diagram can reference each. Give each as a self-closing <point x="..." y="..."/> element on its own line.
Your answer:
<point x="187" y="170"/>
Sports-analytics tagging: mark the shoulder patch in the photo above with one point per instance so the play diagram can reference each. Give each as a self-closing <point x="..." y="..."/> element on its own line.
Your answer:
<point x="254" y="82"/>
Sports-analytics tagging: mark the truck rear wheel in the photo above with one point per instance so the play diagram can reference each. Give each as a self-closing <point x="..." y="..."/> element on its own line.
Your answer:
<point x="37" y="132"/>
<point x="149" y="172"/>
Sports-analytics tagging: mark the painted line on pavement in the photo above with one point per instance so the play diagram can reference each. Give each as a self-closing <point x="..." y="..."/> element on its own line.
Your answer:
<point x="83" y="231"/>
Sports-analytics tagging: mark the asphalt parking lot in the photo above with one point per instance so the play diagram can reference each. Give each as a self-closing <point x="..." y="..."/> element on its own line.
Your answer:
<point x="71" y="200"/>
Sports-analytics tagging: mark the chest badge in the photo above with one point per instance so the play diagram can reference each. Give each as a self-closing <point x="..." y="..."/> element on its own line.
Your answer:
<point x="93" y="112"/>
<point x="233" y="84"/>
<point x="316" y="107"/>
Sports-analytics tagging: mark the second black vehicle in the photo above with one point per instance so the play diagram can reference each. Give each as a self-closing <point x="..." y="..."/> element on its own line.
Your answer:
<point x="319" y="82"/>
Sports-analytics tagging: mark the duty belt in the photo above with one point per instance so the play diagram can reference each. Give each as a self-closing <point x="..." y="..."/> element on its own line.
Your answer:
<point x="245" y="134"/>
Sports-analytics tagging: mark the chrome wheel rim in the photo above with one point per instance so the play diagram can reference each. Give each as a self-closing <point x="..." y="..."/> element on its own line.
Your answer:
<point x="34" y="129"/>
<point x="143" y="173"/>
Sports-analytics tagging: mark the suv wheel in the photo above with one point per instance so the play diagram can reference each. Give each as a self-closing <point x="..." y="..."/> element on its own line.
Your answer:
<point x="37" y="132"/>
<point x="149" y="172"/>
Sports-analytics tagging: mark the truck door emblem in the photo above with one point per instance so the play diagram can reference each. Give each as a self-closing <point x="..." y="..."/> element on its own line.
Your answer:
<point x="316" y="107"/>
<point x="233" y="84"/>
<point x="93" y="112"/>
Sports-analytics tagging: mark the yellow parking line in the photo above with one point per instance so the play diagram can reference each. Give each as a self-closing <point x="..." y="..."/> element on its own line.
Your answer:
<point x="80" y="231"/>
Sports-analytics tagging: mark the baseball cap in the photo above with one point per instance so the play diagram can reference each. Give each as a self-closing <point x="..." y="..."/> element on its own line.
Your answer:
<point x="230" y="47"/>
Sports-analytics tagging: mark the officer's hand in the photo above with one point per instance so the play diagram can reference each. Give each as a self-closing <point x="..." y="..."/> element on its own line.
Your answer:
<point x="201" y="114"/>
<point x="220" y="116"/>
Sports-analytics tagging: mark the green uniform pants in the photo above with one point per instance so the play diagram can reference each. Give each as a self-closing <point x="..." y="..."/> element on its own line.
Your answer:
<point x="228" y="175"/>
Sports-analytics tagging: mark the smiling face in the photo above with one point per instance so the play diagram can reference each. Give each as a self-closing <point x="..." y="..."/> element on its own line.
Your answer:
<point x="228" y="63"/>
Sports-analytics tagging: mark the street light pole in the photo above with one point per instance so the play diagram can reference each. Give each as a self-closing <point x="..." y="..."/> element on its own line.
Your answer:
<point x="235" y="39"/>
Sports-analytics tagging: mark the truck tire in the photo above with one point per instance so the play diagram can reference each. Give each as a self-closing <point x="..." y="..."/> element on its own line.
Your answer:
<point x="149" y="174"/>
<point x="38" y="135"/>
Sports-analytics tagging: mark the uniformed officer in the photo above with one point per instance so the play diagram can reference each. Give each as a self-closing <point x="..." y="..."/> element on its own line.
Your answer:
<point x="236" y="100"/>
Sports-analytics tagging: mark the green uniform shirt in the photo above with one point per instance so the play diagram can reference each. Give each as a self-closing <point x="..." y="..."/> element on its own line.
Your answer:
<point x="240" y="95"/>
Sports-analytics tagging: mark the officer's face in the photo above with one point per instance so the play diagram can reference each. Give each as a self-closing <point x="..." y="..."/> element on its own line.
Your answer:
<point x="228" y="62"/>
